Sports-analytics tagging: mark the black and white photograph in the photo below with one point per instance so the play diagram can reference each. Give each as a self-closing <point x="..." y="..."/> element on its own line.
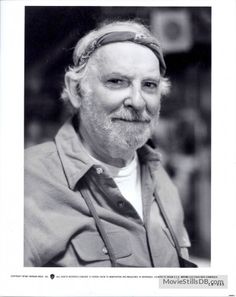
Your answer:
<point x="118" y="136"/>
<point x="117" y="130"/>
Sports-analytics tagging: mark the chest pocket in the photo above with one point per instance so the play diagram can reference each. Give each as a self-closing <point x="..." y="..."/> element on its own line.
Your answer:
<point x="89" y="247"/>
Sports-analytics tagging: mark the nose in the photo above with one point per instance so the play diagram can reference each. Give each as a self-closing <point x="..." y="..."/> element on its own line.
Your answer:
<point x="135" y="98"/>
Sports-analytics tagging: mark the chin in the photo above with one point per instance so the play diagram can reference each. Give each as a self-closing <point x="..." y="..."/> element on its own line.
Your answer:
<point x="121" y="146"/>
<point x="136" y="142"/>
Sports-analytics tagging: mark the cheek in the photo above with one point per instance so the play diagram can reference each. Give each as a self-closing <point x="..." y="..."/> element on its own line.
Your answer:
<point x="153" y="105"/>
<point x="109" y="100"/>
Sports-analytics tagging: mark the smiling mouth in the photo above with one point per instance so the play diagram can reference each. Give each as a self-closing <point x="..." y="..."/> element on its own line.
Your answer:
<point x="130" y="120"/>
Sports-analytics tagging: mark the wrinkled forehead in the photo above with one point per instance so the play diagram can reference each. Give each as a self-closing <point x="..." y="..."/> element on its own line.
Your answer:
<point x="125" y="57"/>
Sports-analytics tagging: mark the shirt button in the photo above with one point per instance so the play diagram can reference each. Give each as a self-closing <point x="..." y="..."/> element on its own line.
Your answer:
<point x="120" y="204"/>
<point x="99" y="170"/>
<point x="104" y="250"/>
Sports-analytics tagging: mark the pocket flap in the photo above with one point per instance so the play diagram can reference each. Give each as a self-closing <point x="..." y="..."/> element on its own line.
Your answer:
<point x="90" y="246"/>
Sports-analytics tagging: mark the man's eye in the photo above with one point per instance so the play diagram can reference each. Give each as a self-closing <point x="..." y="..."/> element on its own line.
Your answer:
<point x="116" y="83"/>
<point x="150" y="85"/>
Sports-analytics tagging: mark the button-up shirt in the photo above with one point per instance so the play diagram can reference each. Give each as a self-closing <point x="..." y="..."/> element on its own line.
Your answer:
<point x="60" y="229"/>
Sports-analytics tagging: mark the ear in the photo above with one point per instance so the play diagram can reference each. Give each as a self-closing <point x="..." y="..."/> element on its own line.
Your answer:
<point x="72" y="89"/>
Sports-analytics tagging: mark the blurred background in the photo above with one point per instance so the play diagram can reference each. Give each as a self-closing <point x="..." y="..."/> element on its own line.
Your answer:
<point x="184" y="132"/>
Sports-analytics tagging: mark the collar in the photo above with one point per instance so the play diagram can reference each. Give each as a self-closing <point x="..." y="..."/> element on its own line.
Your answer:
<point x="77" y="162"/>
<point x="74" y="158"/>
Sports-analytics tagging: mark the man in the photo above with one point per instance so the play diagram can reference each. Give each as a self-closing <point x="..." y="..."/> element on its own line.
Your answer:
<point x="97" y="195"/>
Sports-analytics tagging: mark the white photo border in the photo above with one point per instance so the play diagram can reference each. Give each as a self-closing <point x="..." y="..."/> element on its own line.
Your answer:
<point x="37" y="281"/>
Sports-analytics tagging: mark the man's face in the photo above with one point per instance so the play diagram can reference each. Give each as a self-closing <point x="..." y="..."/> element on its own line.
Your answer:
<point x="122" y="105"/>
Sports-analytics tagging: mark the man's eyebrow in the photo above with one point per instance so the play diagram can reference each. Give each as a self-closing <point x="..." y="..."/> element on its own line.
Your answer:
<point x="150" y="77"/>
<point x="116" y="74"/>
<point x="153" y="77"/>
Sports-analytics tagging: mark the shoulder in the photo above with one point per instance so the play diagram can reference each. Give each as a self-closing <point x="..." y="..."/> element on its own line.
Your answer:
<point x="39" y="152"/>
<point x="163" y="179"/>
<point x="167" y="192"/>
<point x="41" y="156"/>
<point x="42" y="166"/>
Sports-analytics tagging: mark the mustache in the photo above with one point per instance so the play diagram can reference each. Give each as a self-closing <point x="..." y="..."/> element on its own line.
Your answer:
<point x="131" y="115"/>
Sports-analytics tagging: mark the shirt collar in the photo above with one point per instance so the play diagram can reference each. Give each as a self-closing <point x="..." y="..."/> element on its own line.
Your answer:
<point x="76" y="161"/>
<point x="149" y="153"/>
<point x="74" y="158"/>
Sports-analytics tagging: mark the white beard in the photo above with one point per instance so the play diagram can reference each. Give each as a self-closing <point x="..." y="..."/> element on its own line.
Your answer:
<point x="118" y="138"/>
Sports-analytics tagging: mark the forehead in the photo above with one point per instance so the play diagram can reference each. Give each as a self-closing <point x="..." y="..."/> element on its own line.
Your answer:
<point x="128" y="58"/>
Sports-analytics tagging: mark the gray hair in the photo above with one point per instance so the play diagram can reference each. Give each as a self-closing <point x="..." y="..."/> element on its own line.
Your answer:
<point x="79" y="73"/>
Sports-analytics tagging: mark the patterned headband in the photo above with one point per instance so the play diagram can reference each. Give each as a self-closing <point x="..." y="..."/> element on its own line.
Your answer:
<point x="122" y="36"/>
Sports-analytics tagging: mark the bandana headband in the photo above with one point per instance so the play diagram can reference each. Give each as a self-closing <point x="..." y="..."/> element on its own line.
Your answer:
<point x="122" y="36"/>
